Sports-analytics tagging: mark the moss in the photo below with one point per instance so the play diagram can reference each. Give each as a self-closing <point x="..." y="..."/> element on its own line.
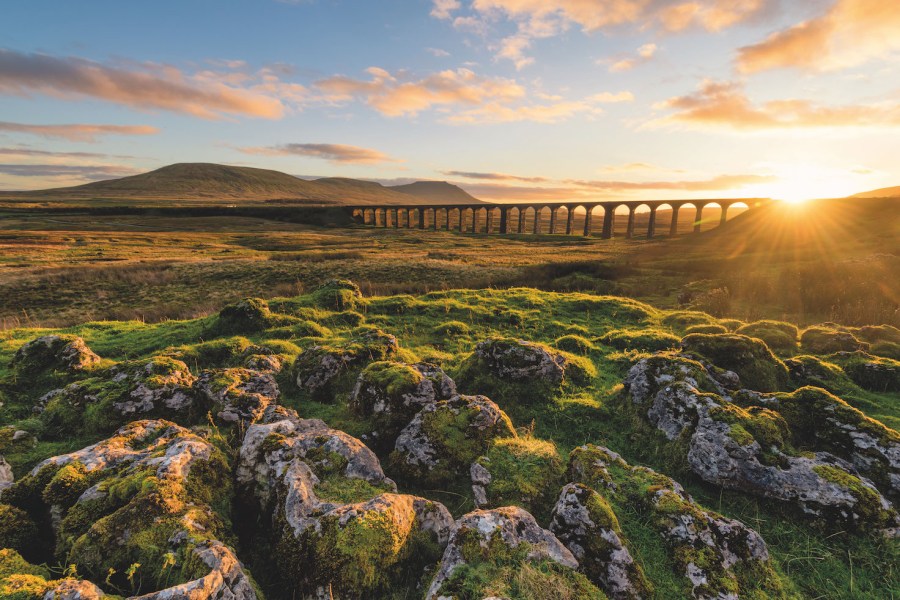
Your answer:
<point x="575" y="344"/>
<point x="779" y="336"/>
<point x="67" y="485"/>
<point x="212" y="354"/>
<point x="682" y="319"/>
<point x="886" y="349"/>
<point x="827" y="340"/>
<point x="731" y="324"/>
<point x="367" y="554"/>
<point x="813" y="371"/>
<point x="337" y="294"/>
<point x="768" y="428"/>
<point x="647" y="340"/>
<point x="878" y="333"/>
<point x="525" y="471"/>
<point x="868" y="501"/>
<point x="393" y="378"/>
<point x="17" y="530"/>
<point x="250" y="315"/>
<point x="347" y="490"/>
<point x="497" y="570"/>
<point x="750" y="358"/>
<point x="451" y="329"/>
<point x="395" y="305"/>
<point x="709" y="328"/>
<point x="874" y="373"/>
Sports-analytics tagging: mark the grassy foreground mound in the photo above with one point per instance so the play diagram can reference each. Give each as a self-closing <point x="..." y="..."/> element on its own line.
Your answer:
<point x="586" y="447"/>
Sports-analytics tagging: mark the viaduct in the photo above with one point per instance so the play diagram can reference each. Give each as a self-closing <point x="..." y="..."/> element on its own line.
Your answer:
<point x="513" y="218"/>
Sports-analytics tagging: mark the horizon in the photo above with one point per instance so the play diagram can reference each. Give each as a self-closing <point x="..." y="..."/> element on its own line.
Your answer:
<point x="505" y="98"/>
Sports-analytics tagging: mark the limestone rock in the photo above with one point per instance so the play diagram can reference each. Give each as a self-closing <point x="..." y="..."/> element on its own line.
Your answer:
<point x="445" y="437"/>
<point x="320" y="369"/>
<point x="161" y="384"/>
<point x="509" y="526"/>
<point x="74" y="589"/>
<point x="391" y="393"/>
<point x="238" y="395"/>
<point x="54" y="352"/>
<point x="6" y="473"/>
<point x="583" y="520"/>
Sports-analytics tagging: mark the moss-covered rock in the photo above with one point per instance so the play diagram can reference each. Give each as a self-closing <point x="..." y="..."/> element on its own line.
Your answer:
<point x="820" y="421"/>
<point x="709" y="328"/>
<point x="49" y="353"/>
<point x="521" y="371"/>
<point x="440" y="443"/>
<point x="17" y="530"/>
<point x="337" y="294"/>
<point x="645" y="340"/>
<point x="650" y="375"/>
<point x="779" y="336"/>
<point x="238" y="396"/>
<point x="680" y="320"/>
<point x="450" y="329"/>
<point x="585" y="523"/>
<point x="826" y="340"/>
<point x="489" y="552"/>
<point x="809" y="370"/>
<point x="750" y="358"/>
<point x="576" y="344"/>
<point x="718" y="557"/>
<point x="874" y="373"/>
<point x="168" y="488"/>
<point x="20" y="580"/>
<point x="156" y="387"/>
<point x="250" y="315"/>
<point x="326" y="371"/>
<point x="523" y="471"/>
<point x="334" y="528"/>
<point x="390" y="394"/>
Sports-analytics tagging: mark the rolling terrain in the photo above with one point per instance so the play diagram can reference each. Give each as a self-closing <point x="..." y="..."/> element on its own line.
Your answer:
<point x="211" y="184"/>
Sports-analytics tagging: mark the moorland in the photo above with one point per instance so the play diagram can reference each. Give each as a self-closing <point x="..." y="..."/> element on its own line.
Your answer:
<point x="238" y="406"/>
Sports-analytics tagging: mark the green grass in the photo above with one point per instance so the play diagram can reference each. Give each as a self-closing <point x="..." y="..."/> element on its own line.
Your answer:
<point x="840" y="566"/>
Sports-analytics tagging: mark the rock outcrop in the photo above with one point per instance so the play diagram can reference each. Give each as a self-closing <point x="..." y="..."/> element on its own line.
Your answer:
<point x="66" y="353"/>
<point x="443" y="439"/>
<point x="490" y="536"/>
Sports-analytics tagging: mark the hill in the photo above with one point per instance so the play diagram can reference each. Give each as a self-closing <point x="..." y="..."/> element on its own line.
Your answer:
<point x="207" y="181"/>
<point x="438" y="192"/>
<point x="888" y="192"/>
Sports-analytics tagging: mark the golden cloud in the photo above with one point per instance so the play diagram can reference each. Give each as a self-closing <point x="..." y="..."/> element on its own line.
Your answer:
<point x="726" y="105"/>
<point x="336" y="153"/>
<point x="78" y="132"/>
<point x="145" y="86"/>
<point x="850" y="33"/>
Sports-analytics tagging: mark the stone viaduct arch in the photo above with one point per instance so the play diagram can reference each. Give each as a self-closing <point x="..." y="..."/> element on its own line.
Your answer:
<point x="608" y="219"/>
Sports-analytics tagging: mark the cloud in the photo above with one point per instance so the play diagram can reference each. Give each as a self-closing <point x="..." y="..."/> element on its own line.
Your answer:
<point x="79" y="132"/>
<point x="336" y="153"/>
<point x="442" y="9"/>
<point x="25" y="151"/>
<point x="644" y="54"/>
<point x="850" y="33"/>
<point x="719" y="183"/>
<point x="399" y="95"/>
<point x="438" y="52"/>
<point x="77" y="172"/>
<point x="493" y="176"/>
<point x="536" y="19"/>
<point x="145" y="86"/>
<point x="460" y="96"/>
<point x="726" y="105"/>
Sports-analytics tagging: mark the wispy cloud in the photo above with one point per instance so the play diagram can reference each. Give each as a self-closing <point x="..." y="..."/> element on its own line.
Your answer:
<point x="145" y="86"/>
<point x="536" y="19"/>
<point x="27" y="152"/>
<point x="461" y="96"/>
<point x="726" y="105"/>
<point x="77" y="132"/>
<point x="493" y="176"/>
<point x="75" y="172"/>
<point x="643" y="55"/>
<point x="438" y="52"/>
<point x="850" y="33"/>
<point x="336" y="153"/>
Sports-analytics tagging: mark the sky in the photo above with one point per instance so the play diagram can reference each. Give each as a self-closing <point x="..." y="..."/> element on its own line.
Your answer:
<point x="511" y="99"/>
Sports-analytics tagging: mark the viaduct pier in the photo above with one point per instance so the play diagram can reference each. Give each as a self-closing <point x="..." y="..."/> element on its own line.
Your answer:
<point x="543" y="217"/>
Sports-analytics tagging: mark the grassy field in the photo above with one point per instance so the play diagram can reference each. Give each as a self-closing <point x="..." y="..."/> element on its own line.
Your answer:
<point x="810" y="560"/>
<point x="63" y="269"/>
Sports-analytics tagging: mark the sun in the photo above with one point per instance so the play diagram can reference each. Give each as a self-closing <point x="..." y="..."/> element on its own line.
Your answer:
<point x="798" y="183"/>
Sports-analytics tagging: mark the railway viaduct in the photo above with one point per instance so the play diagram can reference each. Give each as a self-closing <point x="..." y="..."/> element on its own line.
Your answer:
<point x="514" y="217"/>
